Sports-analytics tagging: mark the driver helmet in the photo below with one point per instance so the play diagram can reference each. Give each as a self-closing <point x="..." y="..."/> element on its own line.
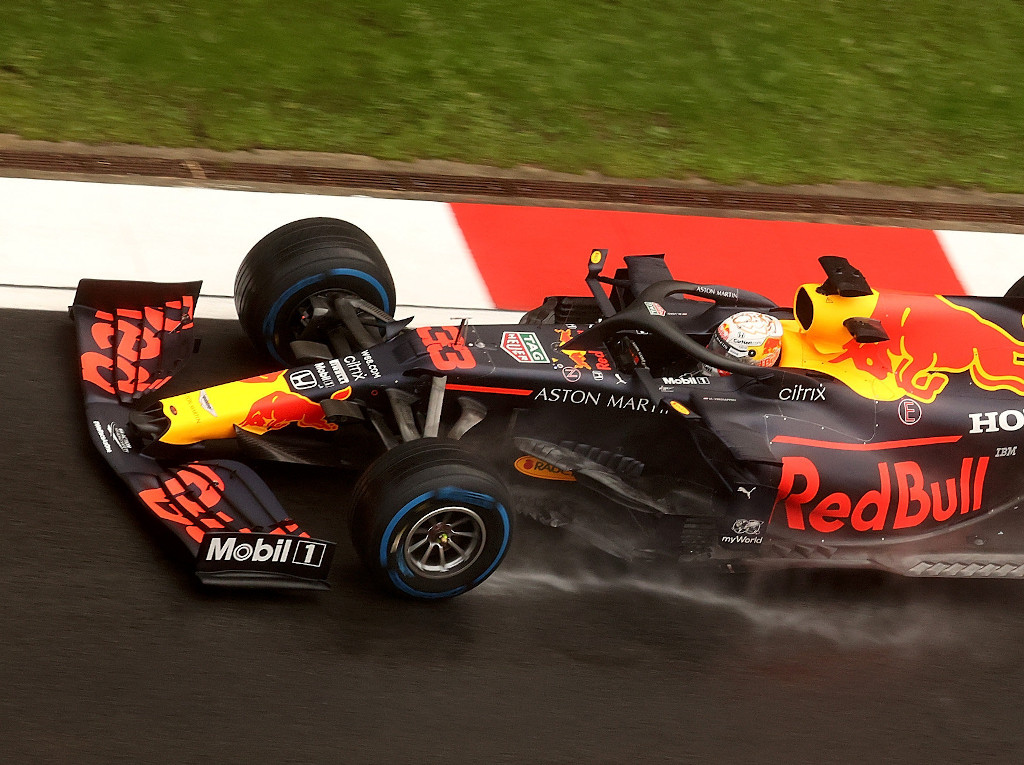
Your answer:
<point x="749" y="337"/>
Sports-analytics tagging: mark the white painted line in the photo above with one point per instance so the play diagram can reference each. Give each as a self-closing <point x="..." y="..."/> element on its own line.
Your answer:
<point x="215" y="307"/>
<point x="985" y="263"/>
<point x="53" y="233"/>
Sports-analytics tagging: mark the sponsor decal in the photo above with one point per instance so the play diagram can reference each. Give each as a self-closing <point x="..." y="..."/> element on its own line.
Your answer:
<point x="686" y="380"/>
<point x="588" y="360"/>
<point x="204" y="402"/>
<point x="739" y="539"/>
<point x="355" y="367"/>
<point x="102" y="435"/>
<point x="339" y="371"/>
<point x="620" y="380"/>
<point x="1006" y="451"/>
<point x="802" y="393"/>
<point x="992" y="422"/>
<point x="746" y="531"/>
<point x="135" y="337"/>
<point x="536" y="468"/>
<point x="119" y="437"/>
<point x="309" y="553"/>
<point x="572" y="375"/>
<point x="632" y="403"/>
<point x="910" y="411"/>
<point x="190" y="404"/>
<point x="565" y="335"/>
<point x="303" y="379"/>
<point x="446" y="346"/>
<point x="744" y="526"/>
<point x="749" y="492"/>
<point x="371" y="365"/>
<point x="931" y="337"/>
<point x="654" y="309"/>
<point x="721" y="292"/>
<point x="905" y="497"/>
<point x="567" y="396"/>
<point x="248" y="549"/>
<point x="191" y="493"/>
<point x="260" y="551"/>
<point x="281" y="408"/>
<point x="524" y="347"/>
<point x="592" y="398"/>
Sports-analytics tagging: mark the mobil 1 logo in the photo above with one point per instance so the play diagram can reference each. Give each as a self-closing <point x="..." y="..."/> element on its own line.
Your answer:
<point x="267" y="553"/>
<point x="326" y="375"/>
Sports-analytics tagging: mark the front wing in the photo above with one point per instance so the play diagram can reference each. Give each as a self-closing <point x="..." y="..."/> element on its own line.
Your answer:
<point x="132" y="338"/>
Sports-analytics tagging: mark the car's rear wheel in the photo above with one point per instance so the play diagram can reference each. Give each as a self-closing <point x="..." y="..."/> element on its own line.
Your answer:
<point x="299" y="266"/>
<point x="430" y="519"/>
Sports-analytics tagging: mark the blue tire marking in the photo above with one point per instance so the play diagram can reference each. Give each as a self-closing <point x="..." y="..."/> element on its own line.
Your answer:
<point x="449" y="492"/>
<point x="507" y="527"/>
<point x="271" y="319"/>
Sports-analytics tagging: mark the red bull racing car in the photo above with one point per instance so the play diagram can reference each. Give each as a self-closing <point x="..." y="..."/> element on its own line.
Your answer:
<point x="884" y="436"/>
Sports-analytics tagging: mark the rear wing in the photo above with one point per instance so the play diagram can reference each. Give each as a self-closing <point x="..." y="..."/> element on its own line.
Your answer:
<point x="132" y="338"/>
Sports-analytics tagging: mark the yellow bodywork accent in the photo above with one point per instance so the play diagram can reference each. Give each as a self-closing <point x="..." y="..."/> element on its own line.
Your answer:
<point x="257" y="404"/>
<point x="824" y="344"/>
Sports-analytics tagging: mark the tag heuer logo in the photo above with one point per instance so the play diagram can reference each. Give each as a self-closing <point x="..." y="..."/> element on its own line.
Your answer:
<point x="524" y="347"/>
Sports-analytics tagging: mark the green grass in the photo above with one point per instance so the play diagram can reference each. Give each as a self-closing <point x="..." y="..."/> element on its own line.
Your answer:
<point x="914" y="92"/>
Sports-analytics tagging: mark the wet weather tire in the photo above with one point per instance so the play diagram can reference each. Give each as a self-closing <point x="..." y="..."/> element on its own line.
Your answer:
<point x="293" y="263"/>
<point x="430" y="519"/>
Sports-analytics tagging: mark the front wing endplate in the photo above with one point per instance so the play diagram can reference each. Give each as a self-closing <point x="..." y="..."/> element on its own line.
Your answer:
<point x="132" y="338"/>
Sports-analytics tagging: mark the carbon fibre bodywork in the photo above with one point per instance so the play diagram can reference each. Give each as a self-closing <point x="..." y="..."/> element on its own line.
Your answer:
<point x="888" y="437"/>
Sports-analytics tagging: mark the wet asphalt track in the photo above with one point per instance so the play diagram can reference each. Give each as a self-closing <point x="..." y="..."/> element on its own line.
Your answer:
<point x="111" y="652"/>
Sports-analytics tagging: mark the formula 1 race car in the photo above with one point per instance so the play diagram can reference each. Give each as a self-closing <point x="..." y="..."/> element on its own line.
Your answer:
<point x="886" y="436"/>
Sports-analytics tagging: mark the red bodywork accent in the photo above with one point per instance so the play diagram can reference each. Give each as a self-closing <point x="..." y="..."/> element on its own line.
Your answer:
<point x="871" y="447"/>
<point x="447" y="348"/>
<point x="483" y="389"/>
<point x="930" y="338"/>
<point x="189" y="498"/>
<point x="905" y="498"/>
<point x="280" y="409"/>
<point x="127" y="338"/>
<point x="192" y="497"/>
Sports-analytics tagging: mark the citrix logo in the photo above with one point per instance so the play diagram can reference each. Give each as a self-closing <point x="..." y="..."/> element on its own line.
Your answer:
<point x="802" y="393"/>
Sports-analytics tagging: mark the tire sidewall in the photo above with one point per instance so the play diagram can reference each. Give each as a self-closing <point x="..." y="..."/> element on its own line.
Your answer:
<point x="405" y="484"/>
<point x="297" y="260"/>
<point x="351" y="280"/>
<point x="393" y="539"/>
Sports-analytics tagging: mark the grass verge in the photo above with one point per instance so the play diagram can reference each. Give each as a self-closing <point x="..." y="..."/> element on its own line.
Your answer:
<point x="915" y="92"/>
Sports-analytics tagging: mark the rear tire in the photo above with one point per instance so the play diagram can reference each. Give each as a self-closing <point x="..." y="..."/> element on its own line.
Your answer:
<point x="431" y="519"/>
<point x="293" y="263"/>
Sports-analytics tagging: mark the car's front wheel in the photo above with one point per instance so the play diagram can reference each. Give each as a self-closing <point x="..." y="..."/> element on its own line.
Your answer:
<point x="431" y="519"/>
<point x="288" y="278"/>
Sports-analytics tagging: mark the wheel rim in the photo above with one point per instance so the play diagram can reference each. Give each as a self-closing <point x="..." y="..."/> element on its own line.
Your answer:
<point x="297" y="323"/>
<point x="445" y="542"/>
<point x="302" y="322"/>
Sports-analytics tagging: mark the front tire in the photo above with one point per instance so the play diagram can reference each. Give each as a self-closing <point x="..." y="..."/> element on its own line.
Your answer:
<point x="431" y="520"/>
<point x="297" y="262"/>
